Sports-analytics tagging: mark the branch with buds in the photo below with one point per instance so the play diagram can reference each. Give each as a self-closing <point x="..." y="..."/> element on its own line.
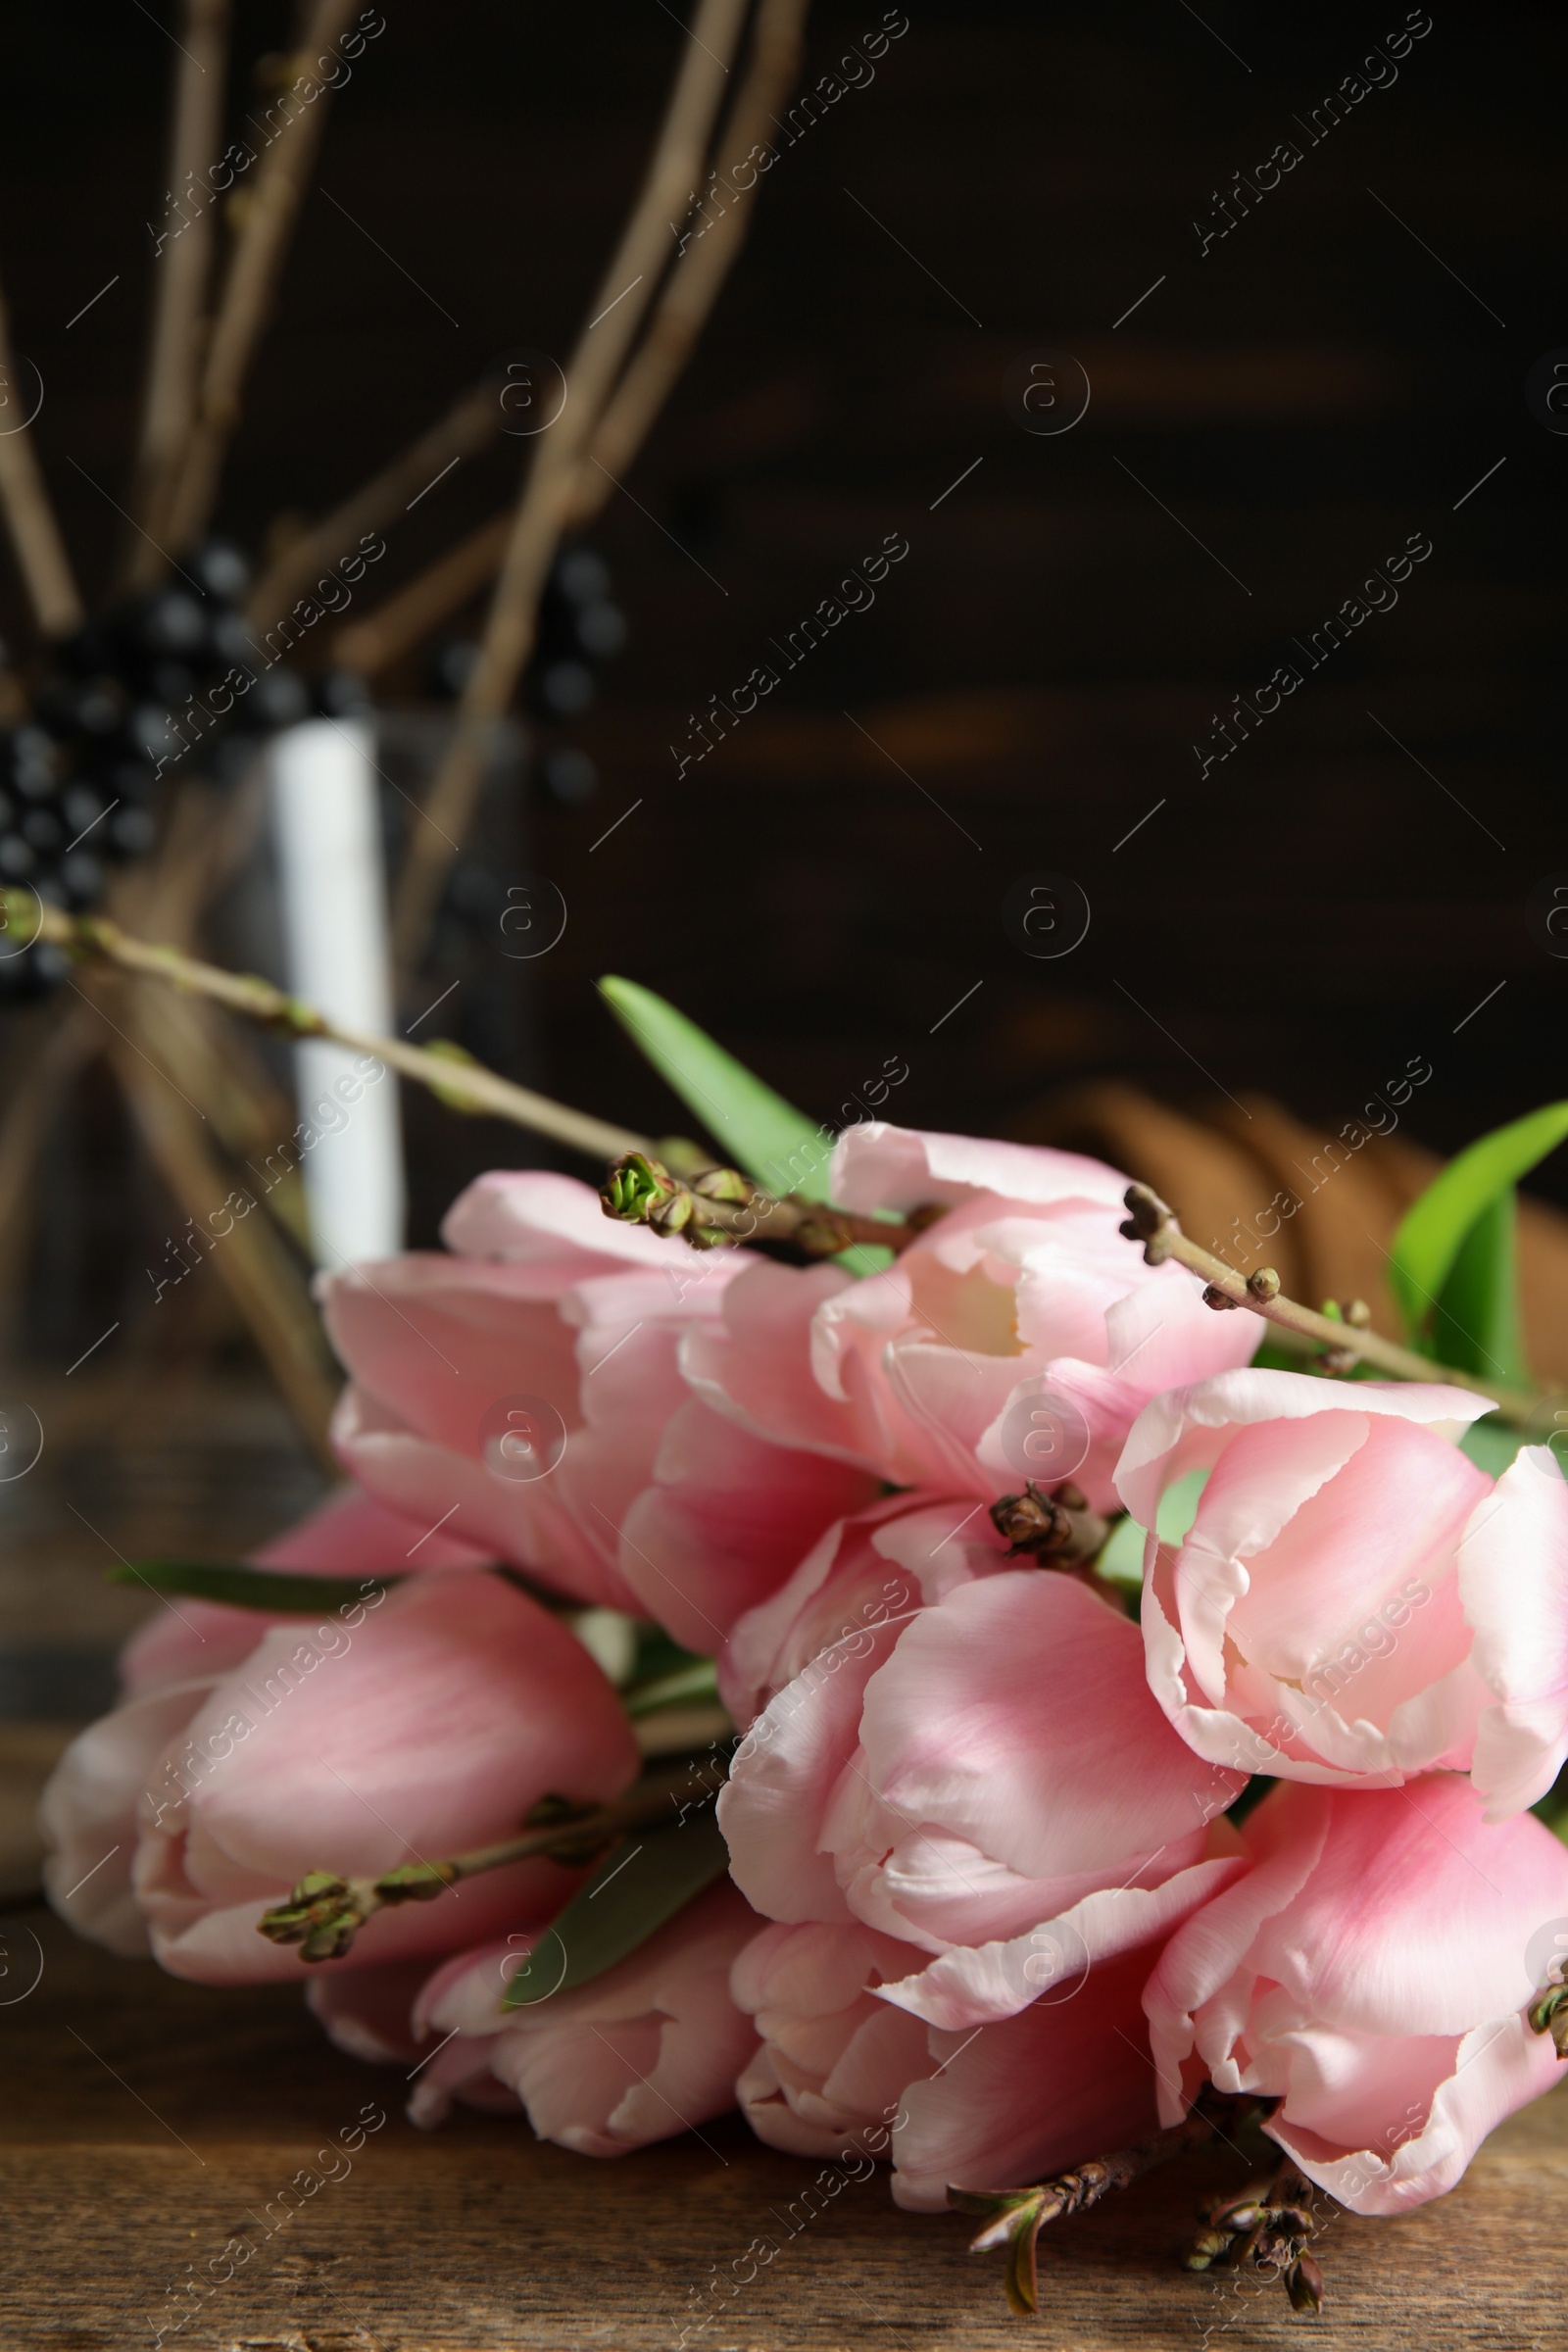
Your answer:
<point x="1267" y="2230"/>
<point x="1016" y="2217"/>
<point x="721" y="1205"/>
<point x="459" y="1081"/>
<point x="1344" y="1341"/>
<point x="1058" y="1530"/>
<point x="325" y="1912"/>
<point x="1549" y="2011"/>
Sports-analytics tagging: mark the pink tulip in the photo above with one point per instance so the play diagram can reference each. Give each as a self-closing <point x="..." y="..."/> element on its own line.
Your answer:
<point x="841" y="2072"/>
<point x="648" y="2049"/>
<point x="834" y="2062"/>
<point x="1356" y="1602"/>
<point x="984" y="1776"/>
<point x="1371" y="1972"/>
<point x="523" y="1393"/>
<point x="1017" y="1338"/>
<point x="411" y="1728"/>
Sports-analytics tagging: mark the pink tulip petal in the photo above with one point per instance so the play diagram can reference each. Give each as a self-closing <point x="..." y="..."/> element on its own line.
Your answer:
<point x="1496" y="2069"/>
<point x="955" y="1730"/>
<point x="1014" y="2102"/>
<point x="1513" y="1581"/>
<point x="974" y="1987"/>
<point x="880" y="1166"/>
<point x="1186" y="1429"/>
<point x="724" y="1521"/>
<point x="783" y="1777"/>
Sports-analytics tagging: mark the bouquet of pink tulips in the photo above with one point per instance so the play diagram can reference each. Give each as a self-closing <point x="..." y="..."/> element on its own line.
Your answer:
<point x="895" y="1638"/>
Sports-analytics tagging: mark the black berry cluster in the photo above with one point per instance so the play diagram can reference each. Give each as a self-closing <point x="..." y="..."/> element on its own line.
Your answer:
<point x="580" y="628"/>
<point x="129" y="701"/>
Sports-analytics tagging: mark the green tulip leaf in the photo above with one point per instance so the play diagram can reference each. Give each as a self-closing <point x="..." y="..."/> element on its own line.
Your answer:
<point x="774" y="1143"/>
<point x="269" y="1589"/>
<point x="640" y="1886"/>
<point x="1453" y="1268"/>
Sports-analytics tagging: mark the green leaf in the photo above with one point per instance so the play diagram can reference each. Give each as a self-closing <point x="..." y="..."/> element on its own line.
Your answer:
<point x="1476" y="1326"/>
<point x="1492" y="1444"/>
<point x="773" y="1142"/>
<point x="678" y="1688"/>
<point x="1460" y="1231"/>
<point x="640" y="1884"/>
<point x="1122" y="1560"/>
<point x="242" y="1588"/>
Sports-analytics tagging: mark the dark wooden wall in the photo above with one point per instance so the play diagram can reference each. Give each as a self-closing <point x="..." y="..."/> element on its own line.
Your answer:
<point x="1269" y="425"/>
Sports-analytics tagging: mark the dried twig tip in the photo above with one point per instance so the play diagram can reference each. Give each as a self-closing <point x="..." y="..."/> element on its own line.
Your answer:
<point x="1149" y="1220"/>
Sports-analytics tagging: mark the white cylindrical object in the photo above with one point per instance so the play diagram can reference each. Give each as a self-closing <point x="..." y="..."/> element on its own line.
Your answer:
<point x="332" y="888"/>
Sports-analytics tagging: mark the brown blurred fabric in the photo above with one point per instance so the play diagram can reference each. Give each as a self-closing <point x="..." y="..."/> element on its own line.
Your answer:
<point x="1227" y="1175"/>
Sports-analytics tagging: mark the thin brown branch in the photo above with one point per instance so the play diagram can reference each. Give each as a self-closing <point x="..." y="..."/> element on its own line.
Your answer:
<point x="35" y="540"/>
<point x="1152" y="1222"/>
<point x="251" y="1259"/>
<point x="469" y="425"/>
<point x="683" y="310"/>
<point x="430" y="598"/>
<point x="696" y="282"/>
<point x="325" y="1912"/>
<point x="549" y="496"/>
<point x="250" y="284"/>
<point x="52" y="1053"/>
<point x="182" y="266"/>
<point x="250" y="1114"/>
<point x="463" y="1084"/>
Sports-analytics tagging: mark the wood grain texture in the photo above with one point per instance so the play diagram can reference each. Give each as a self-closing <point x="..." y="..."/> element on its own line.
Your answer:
<point x="150" y="2122"/>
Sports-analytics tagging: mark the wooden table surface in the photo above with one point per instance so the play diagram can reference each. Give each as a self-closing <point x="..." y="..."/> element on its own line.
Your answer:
<point x="149" y="2121"/>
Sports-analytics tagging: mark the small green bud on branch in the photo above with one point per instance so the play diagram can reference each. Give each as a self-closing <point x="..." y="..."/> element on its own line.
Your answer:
<point x="720" y="1205"/>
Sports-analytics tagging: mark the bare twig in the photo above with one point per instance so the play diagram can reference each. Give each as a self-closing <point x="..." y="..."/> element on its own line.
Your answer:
<point x="40" y="550"/>
<point x="469" y="425"/>
<point x="1152" y="1222"/>
<point x="252" y="1259"/>
<point x="393" y="628"/>
<point x="695" y="284"/>
<point x="458" y="1081"/>
<point x="692" y="288"/>
<point x="57" y="1049"/>
<point x="271" y="208"/>
<point x="173" y="357"/>
<point x="549" y="497"/>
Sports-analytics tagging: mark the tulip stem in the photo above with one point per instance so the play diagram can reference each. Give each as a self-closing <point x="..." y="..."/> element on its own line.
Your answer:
<point x="324" y="1913"/>
<point x="461" y="1083"/>
<point x="1150" y="1221"/>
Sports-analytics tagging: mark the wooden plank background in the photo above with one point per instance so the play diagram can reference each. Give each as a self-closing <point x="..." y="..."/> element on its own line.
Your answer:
<point x="147" y="2121"/>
